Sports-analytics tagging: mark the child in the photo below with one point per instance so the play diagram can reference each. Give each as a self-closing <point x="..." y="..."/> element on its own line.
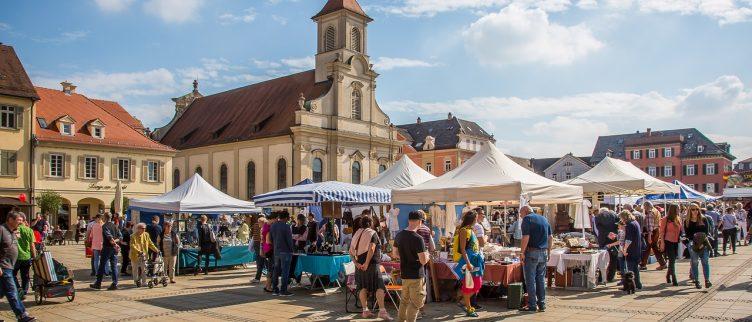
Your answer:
<point x="619" y="244"/>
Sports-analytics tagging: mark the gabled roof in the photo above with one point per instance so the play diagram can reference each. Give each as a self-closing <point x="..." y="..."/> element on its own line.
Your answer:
<point x="337" y="5"/>
<point x="119" y="112"/>
<point x="541" y="165"/>
<point x="13" y="78"/>
<point x="446" y="132"/>
<point x="691" y="139"/>
<point x="54" y="104"/>
<point x="265" y="109"/>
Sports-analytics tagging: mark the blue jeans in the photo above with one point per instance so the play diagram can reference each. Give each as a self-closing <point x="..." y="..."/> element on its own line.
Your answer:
<point x="535" y="277"/>
<point x="260" y="261"/>
<point x="633" y="265"/>
<point x="694" y="259"/>
<point x="621" y="262"/>
<point x="8" y="288"/>
<point x="281" y="269"/>
<point x="108" y="255"/>
<point x="95" y="258"/>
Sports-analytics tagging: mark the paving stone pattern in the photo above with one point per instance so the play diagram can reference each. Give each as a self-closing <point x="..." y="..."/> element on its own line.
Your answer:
<point x="227" y="296"/>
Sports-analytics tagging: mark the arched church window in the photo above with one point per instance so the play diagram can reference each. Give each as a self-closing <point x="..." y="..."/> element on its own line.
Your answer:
<point x="356" y="172"/>
<point x="318" y="170"/>
<point x="175" y="178"/>
<point x="330" y="39"/>
<point x="356" y="104"/>
<point x="281" y="174"/>
<point x="223" y="178"/>
<point x="355" y="39"/>
<point x="250" y="180"/>
<point x="199" y="171"/>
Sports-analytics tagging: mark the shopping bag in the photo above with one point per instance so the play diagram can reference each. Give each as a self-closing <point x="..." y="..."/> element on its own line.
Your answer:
<point x="89" y="252"/>
<point x="469" y="284"/>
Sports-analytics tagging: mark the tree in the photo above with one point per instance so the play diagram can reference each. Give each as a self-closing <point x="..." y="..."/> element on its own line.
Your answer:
<point x="49" y="202"/>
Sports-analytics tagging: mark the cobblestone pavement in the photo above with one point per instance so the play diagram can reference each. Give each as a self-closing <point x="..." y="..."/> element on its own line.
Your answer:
<point x="227" y="296"/>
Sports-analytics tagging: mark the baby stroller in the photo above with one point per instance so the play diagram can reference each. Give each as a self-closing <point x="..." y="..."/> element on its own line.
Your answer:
<point x="51" y="279"/>
<point x="155" y="272"/>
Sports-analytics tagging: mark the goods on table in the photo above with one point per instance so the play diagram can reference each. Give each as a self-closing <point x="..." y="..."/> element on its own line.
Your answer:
<point x="497" y="252"/>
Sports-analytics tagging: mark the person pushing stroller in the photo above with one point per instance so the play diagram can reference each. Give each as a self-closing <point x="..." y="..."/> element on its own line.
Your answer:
<point x="140" y="245"/>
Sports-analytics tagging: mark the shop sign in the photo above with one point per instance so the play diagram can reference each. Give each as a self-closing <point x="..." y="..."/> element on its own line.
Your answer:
<point x="98" y="187"/>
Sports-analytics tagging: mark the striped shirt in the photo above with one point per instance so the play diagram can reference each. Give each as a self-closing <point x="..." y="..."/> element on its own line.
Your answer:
<point x="256" y="232"/>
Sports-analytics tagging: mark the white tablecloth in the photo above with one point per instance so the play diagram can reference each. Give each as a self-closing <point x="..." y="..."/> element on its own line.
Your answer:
<point x="594" y="261"/>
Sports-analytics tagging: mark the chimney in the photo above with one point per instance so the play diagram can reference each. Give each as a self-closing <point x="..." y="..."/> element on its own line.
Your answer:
<point x="418" y="121"/>
<point x="449" y="116"/>
<point x="68" y="87"/>
<point x="649" y="132"/>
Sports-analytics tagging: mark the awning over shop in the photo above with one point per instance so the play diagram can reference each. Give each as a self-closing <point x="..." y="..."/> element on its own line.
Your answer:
<point x="616" y="177"/>
<point x="317" y="193"/>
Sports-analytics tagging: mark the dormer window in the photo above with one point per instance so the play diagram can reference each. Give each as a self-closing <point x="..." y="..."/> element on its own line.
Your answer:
<point x="66" y="129"/>
<point x="97" y="133"/>
<point x="96" y="129"/>
<point x="700" y="148"/>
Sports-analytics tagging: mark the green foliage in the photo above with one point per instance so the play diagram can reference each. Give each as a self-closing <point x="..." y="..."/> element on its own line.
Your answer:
<point x="49" y="202"/>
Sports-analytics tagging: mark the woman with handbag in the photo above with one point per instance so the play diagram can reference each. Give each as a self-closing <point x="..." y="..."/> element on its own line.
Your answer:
<point x="668" y="232"/>
<point x="169" y="244"/>
<point x="365" y="252"/>
<point x="729" y="226"/>
<point x="697" y="229"/>
<point x="470" y="265"/>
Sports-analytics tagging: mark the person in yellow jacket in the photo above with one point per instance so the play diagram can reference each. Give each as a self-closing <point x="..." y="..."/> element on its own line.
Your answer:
<point x="140" y="244"/>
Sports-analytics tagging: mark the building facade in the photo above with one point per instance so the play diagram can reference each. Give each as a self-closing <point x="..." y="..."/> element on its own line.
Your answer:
<point x="323" y="124"/>
<point x="561" y="169"/>
<point x="17" y="99"/>
<point x="83" y="147"/>
<point x="442" y="145"/>
<point x="684" y="154"/>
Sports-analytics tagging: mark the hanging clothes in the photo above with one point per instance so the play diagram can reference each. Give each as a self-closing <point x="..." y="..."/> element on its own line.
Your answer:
<point x="392" y="220"/>
<point x="438" y="216"/>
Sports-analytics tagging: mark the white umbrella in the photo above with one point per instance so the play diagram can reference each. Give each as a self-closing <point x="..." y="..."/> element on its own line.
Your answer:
<point x="582" y="218"/>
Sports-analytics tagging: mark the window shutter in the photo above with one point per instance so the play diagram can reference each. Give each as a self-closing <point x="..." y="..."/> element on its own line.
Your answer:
<point x="715" y="187"/>
<point x="45" y="166"/>
<point x="715" y="167"/>
<point x="67" y="166"/>
<point x="100" y="168"/>
<point x="673" y="171"/>
<point x="704" y="169"/>
<point x="132" y="173"/>
<point x="80" y="171"/>
<point x="663" y="152"/>
<point x="19" y="118"/>
<point x="685" y="170"/>
<point x="144" y="170"/>
<point x="161" y="171"/>
<point x="12" y="164"/>
<point x="114" y="169"/>
<point x="672" y="152"/>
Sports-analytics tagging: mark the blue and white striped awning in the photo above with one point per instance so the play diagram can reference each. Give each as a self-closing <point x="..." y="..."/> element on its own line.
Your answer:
<point x="686" y="193"/>
<point x="316" y="193"/>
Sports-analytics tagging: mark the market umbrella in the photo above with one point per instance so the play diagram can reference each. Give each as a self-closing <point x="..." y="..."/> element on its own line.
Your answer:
<point x="118" y="204"/>
<point x="582" y="218"/>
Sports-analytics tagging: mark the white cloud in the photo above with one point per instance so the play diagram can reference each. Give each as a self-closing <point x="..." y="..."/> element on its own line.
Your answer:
<point x="210" y="69"/>
<point x="246" y="16"/>
<point x="553" y="126"/>
<point x="119" y="85"/>
<point x="63" y="37"/>
<point x="725" y="11"/>
<point x="152" y="115"/>
<point x="4" y="26"/>
<point x="280" y="20"/>
<point x="300" y="64"/>
<point x="265" y="64"/>
<point x="173" y="11"/>
<point x="417" y="8"/>
<point x="516" y="35"/>
<point x="113" y="5"/>
<point x="389" y="63"/>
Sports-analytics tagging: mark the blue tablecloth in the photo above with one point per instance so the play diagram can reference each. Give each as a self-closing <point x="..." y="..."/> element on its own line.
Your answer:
<point x="231" y="256"/>
<point x="321" y="265"/>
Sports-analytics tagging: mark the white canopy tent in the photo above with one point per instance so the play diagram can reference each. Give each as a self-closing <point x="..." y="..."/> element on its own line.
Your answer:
<point x="194" y="196"/>
<point x="617" y="177"/>
<point x="730" y="193"/>
<point x="403" y="174"/>
<point x="489" y="176"/>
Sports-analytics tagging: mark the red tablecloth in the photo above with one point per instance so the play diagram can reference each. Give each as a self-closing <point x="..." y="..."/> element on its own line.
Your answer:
<point x="496" y="273"/>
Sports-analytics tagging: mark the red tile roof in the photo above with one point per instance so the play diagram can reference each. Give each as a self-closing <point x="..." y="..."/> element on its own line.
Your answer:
<point x="13" y="78"/>
<point x="265" y="109"/>
<point x="336" y="5"/>
<point x="119" y="112"/>
<point x="54" y="104"/>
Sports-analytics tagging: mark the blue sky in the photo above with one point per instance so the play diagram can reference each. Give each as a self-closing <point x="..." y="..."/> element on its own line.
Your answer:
<point x="545" y="76"/>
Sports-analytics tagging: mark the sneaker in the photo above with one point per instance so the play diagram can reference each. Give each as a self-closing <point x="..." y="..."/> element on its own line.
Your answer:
<point x="112" y="287"/>
<point x="268" y="290"/>
<point x="527" y="309"/>
<point x="708" y="284"/>
<point x="285" y="294"/>
<point x="697" y="285"/>
<point x="471" y="314"/>
<point x="95" y="286"/>
<point x="542" y="309"/>
<point x="27" y="318"/>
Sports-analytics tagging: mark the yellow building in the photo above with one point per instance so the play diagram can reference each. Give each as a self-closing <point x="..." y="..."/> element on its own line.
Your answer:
<point x="84" y="146"/>
<point x="17" y="97"/>
<point x="323" y="124"/>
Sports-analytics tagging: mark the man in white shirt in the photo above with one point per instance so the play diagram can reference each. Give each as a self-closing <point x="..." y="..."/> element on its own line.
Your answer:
<point x="480" y="227"/>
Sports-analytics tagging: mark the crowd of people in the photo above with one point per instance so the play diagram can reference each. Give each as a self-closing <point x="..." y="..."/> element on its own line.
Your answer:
<point x="636" y="233"/>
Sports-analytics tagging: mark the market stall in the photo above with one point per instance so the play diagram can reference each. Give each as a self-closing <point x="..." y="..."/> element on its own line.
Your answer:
<point x="488" y="178"/>
<point x="685" y="194"/>
<point x="616" y="177"/>
<point x="197" y="197"/>
<point x="327" y="260"/>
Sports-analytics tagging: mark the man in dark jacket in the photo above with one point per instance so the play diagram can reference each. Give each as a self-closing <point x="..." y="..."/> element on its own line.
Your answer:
<point x="633" y="246"/>
<point x="125" y="247"/>
<point x="606" y="222"/>
<point x="281" y="235"/>
<point x="207" y="245"/>
<point x="110" y="239"/>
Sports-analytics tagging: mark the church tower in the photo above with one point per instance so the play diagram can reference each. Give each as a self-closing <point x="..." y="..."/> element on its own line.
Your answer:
<point x="342" y="34"/>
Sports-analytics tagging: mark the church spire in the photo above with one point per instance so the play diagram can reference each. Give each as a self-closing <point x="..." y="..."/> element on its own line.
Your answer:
<point x="337" y="5"/>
